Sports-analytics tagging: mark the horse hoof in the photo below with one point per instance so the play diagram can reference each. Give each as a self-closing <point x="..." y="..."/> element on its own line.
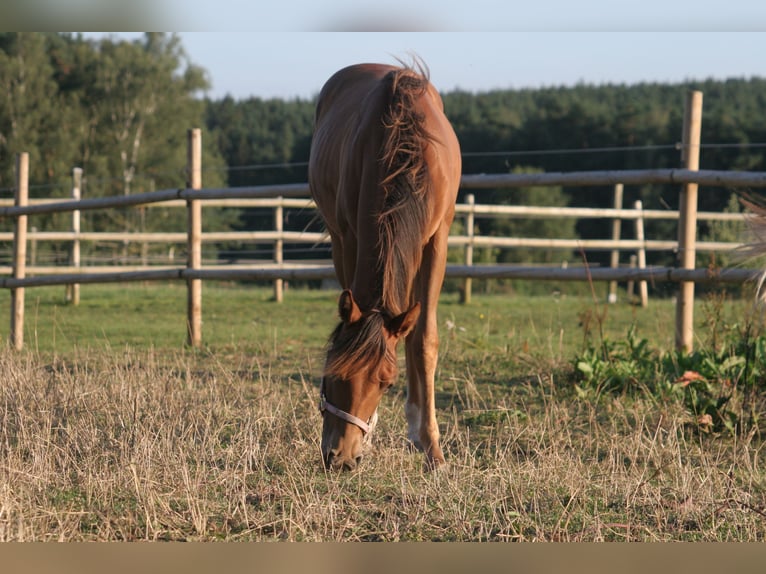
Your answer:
<point x="435" y="464"/>
<point x="414" y="445"/>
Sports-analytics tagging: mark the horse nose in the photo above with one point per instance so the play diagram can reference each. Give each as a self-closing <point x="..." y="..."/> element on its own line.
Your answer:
<point x="336" y="461"/>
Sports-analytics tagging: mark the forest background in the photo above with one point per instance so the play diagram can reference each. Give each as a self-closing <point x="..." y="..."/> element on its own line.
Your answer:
<point x="120" y="110"/>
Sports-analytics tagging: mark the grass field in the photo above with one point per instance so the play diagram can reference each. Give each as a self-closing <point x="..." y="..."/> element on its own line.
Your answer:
<point x="111" y="430"/>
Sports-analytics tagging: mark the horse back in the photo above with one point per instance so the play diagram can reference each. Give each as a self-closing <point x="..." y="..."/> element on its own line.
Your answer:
<point x="348" y="136"/>
<point x="384" y="171"/>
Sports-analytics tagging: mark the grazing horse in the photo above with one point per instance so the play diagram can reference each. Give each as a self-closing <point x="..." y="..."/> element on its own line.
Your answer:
<point x="384" y="172"/>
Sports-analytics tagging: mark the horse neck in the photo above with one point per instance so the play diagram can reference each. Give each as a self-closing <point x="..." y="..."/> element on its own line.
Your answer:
<point x="380" y="279"/>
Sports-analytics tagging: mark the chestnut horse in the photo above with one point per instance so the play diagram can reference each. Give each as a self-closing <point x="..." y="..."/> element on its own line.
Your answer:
<point x="384" y="171"/>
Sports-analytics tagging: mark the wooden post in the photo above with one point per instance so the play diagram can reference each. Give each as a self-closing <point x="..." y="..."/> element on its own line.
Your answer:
<point x="20" y="198"/>
<point x="194" y="206"/>
<point x="465" y="296"/>
<point x="687" y="222"/>
<point x="278" y="245"/>
<point x="616" y="231"/>
<point x="73" y="289"/>
<point x="643" y="288"/>
<point x="32" y="247"/>
<point x="631" y="283"/>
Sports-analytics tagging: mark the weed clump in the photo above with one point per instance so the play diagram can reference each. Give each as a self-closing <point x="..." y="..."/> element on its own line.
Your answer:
<point x="721" y="385"/>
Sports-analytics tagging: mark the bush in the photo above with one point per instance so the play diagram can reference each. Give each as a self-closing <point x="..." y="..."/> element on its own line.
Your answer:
<point x="721" y="385"/>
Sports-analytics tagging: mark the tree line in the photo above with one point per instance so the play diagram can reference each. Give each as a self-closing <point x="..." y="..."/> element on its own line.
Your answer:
<point x="120" y="110"/>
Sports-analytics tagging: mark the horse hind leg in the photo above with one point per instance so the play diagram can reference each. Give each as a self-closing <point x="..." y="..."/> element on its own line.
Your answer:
<point x="412" y="407"/>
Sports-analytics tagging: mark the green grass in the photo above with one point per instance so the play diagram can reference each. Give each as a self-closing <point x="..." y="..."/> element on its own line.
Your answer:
<point x="110" y="429"/>
<point x="243" y="316"/>
<point x="154" y="315"/>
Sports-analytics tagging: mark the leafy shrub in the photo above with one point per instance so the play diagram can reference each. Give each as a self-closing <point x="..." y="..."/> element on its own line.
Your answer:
<point x="721" y="389"/>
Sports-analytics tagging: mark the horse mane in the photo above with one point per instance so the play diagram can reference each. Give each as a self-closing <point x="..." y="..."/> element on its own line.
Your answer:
<point x="405" y="184"/>
<point x="362" y="343"/>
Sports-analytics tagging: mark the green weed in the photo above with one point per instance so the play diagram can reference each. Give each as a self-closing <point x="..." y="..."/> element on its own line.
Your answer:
<point x="720" y="385"/>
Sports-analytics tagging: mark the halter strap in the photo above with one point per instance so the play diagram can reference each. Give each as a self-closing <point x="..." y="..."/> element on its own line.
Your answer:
<point x="348" y="417"/>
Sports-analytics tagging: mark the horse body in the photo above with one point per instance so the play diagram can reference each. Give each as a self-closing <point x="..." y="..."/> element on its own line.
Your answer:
<point x="384" y="172"/>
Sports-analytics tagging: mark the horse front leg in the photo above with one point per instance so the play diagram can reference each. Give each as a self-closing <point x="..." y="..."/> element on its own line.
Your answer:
<point x="422" y="350"/>
<point x="422" y="357"/>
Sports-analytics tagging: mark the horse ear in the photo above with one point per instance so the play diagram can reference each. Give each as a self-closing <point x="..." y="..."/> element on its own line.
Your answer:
<point x="347" y="308"/>
<point x="401" y="325"/>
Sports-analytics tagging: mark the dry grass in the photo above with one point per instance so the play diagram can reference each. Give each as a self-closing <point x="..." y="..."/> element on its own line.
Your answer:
<point x="149" y="445"/>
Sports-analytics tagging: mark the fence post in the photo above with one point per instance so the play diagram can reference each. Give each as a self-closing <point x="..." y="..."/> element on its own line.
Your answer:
<point x="194" y="206"/>
<point x="631" y="283"/>
<point x="20" y="199"/>
<point x="687" y="223"/>
<point x="465" y="295"/>
<point x="643" y="288"/>
<point x="278" y="245"/>
<point x="616" y="231"/>
<point x="32" y="247"/>
<point x="73" y="289"/>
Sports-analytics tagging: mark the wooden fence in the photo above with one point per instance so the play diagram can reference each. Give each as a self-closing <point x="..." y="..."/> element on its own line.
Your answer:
<point x="295" y="195"/>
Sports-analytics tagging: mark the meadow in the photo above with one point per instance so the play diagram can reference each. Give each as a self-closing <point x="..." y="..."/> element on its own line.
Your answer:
<point x="562" y="419"/>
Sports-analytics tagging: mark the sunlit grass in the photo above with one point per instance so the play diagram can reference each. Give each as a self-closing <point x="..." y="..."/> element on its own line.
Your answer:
<point x="110" y="429"/>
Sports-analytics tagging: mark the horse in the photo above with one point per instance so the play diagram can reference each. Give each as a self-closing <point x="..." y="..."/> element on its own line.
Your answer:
<point x="384" y="172"/>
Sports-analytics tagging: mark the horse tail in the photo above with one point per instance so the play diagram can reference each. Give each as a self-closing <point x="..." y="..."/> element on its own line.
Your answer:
<point x="405" y="184"/>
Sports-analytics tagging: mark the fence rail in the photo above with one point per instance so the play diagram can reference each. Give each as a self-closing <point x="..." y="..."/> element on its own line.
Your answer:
<point x="279" y="197"/>
<point x="308" y="272"/>
<point x="321" y="238"/>
<point x="218" y="196"/>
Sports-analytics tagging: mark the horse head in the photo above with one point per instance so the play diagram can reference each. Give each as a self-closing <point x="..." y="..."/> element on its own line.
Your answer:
<point x="361" y="365"/>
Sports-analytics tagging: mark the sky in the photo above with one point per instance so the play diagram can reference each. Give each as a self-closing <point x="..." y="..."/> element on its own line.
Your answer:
<point x="295" y="64"/>
<point x="288" y="48"/>
<point x="389" y="15"/>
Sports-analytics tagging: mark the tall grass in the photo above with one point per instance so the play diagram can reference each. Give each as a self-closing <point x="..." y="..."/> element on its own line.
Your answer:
<point x="107" y="438"/>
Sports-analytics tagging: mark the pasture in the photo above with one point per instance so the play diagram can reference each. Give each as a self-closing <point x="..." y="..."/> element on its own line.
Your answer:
<point x="110" y="429"/>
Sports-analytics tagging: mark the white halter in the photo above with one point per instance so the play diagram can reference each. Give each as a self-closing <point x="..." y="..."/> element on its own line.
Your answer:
<point x="348" y="417"/>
